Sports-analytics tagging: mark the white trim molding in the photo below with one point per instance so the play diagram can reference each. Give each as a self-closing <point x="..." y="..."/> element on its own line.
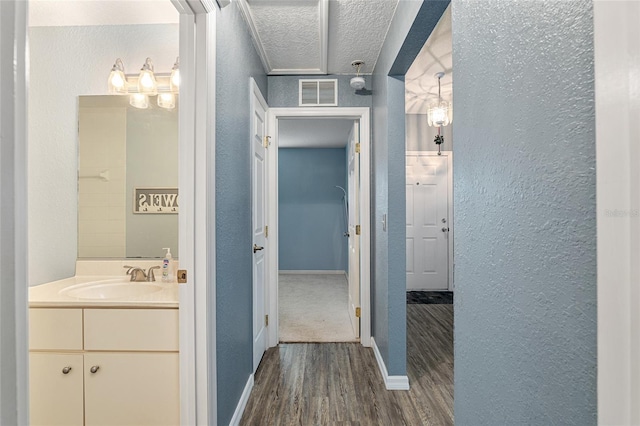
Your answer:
<point x="390" y="382"/>
<point x="617" y="106"/>
<point x="14" y="397"/>
<point x="242" y="404"/>
<point x="312" y="272"/>
<point x="196" y="176"/>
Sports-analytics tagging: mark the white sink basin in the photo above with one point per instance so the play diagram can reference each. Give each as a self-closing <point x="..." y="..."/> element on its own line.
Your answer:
<point x="110" y="289"/>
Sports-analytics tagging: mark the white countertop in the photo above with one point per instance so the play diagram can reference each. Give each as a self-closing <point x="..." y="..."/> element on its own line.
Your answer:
<point x="52" y="295"/>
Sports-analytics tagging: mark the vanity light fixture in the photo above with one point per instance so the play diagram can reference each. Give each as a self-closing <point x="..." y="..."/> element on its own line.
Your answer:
<point x="174" y="80"/>
<point x="139" y="100"/>
<point x="147" y="80"/>
<point x="166" y="100"/>
<point x="117" y="80"/>
<point x="147" y="83"/>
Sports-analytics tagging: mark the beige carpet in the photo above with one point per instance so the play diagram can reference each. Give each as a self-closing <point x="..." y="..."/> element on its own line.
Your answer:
<point x="313" y="308"/>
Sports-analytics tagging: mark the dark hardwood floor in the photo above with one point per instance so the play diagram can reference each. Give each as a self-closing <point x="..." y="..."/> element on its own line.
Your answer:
<point x="340" y="384"/>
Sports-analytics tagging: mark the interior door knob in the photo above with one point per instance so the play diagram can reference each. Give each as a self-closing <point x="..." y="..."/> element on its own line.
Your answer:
<point x="445" y="229"/>
<point x="257" y="248"/>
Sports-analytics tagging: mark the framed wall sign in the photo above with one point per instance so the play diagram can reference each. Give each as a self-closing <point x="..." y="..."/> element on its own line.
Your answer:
<point x="155" y="200"/>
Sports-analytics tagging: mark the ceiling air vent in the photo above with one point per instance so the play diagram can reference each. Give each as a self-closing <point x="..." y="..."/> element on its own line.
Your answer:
<point x="321" y="92"/>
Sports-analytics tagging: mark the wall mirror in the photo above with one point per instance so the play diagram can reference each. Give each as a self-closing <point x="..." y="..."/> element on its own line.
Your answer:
<point x="127" y="179"/>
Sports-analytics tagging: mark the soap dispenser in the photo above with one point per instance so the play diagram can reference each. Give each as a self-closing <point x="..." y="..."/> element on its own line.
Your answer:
<point x="167" y="266"/>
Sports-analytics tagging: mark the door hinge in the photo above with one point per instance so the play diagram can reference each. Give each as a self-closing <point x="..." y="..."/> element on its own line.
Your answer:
<point x="357" y="229"/>
<point x="266" y="320"/>
<point x="358" y="148"/>
<point x="266" y="141"/>
<point x="358" y="312"/>
<point x="266" y="231"/>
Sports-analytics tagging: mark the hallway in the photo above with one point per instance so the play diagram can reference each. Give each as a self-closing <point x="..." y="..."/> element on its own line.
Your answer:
<point x="327" y="383"/>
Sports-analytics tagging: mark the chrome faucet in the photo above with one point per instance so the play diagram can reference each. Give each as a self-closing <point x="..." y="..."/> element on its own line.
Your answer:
<point x="137" y="274"/>
<point x="150" y="276"/>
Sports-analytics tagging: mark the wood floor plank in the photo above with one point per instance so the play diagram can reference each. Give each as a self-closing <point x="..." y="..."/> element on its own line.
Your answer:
<point x="340" y="384"/>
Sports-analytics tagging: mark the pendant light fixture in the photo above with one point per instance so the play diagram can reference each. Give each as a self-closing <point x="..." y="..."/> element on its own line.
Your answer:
<point x="117" y="80"/>
<point x="147" y="80"/>
<point x="440" y="112"/>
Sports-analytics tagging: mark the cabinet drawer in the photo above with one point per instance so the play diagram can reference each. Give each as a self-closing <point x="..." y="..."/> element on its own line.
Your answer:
<point x="131" y="329"/>
<point x="55" y="329"/>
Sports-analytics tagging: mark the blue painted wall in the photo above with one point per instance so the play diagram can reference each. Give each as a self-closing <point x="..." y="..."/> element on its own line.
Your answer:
<point x="410" y="28"/>
<point x="284" y="89"/>
<point x="311" y="210"/>
<point x="236" y="62"/>
<point x="525" y="213"/>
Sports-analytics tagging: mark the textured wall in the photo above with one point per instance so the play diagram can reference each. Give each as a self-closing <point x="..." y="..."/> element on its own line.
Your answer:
<point x="236" y="62"/>
<point x="311" y="211"/>
<point x="66" y="62"/>
<point x="411" y="26"/>
<point x="524" y="181"/>
<point x="284" y="90"/>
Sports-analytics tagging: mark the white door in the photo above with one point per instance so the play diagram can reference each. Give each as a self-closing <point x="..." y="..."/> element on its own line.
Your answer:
<point x="354" y="217"/>
<point x="427" y="222"/>
<point x="259" y="210"/>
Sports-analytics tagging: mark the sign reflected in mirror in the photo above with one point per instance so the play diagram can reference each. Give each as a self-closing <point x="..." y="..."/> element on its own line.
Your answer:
<point x="126" y="153"/>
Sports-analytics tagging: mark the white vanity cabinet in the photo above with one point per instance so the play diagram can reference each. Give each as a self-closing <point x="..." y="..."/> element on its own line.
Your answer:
<point x="95" y="366"/>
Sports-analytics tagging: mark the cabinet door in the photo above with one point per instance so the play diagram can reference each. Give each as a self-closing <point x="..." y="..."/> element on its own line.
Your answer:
<point x="55" y="397"/>
<point x="131" y="389"/>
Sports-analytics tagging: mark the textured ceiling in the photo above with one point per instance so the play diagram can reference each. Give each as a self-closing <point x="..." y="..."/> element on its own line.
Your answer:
<point x="48" y="13"/>
<point x="318" y="36"/>
<point x="421" y="85"/>
<point x="314" y="133"/>
<point x="297" y="42"/>
<point x="357" y="29"/>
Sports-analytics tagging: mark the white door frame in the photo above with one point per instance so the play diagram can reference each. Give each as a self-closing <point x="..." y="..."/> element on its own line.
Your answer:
<point x="197" y="227"/>
<point x="256" y="96"/>
<point x="363" y="115"/>
<point x="196" y="162"/>
<point x="449" y="155"/>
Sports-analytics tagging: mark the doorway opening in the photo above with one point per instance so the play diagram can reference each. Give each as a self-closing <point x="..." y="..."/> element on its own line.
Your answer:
<point x="345" y="257"/>
<point x="317" y="284"/>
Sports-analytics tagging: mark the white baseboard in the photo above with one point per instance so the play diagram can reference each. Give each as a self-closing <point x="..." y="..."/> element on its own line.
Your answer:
<point x="390" y="382"/>
<point x="237" y="415"/>
<point x="311" y="272"/>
